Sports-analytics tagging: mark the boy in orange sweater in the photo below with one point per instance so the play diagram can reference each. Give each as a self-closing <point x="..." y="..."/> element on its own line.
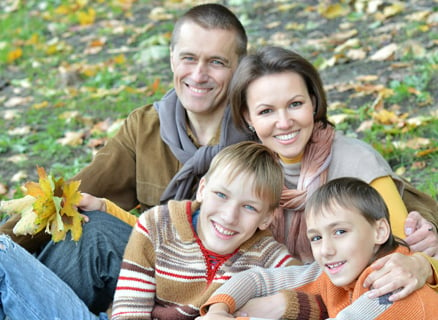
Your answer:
<point x="348" y="228"/>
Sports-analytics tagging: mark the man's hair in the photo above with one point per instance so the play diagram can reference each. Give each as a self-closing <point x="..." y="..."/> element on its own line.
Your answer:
<point x="353" y="194"/>
<point x="274" y="60"/>
<point x="213" y="16"/>
<point x="256" y="160"/>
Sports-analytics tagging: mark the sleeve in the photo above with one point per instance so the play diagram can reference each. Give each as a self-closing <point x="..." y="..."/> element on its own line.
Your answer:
<point x="105" y="176"/>
<point x="136" y="285"/>
<point x="397" y="209"/>
<point x="119" y="213"/>
<point x="370" y="308"/>
<point x="434" y="264"/>
<point x="259" y="282"/>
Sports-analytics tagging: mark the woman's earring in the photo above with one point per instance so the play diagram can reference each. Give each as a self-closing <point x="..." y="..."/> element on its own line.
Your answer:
<point x="251" y="128"/>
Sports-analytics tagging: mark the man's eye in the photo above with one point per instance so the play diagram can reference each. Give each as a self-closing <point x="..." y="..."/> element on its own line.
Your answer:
<point x="218" y="62"/>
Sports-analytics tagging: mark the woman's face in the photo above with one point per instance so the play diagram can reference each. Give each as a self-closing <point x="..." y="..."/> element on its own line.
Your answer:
<point x="281" y="112"/>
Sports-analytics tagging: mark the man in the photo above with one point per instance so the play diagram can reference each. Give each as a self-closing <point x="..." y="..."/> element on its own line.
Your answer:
<point x="159" y="154"/>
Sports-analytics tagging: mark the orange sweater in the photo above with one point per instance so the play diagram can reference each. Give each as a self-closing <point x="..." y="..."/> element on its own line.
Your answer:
<point x="341" y="302"/>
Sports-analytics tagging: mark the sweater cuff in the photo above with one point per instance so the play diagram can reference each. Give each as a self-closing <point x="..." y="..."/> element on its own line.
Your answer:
<point x="434" y="264"/>
<point x="302" y="305"/>
<point x="119" y="213"/>
<point x="220" y="298"/>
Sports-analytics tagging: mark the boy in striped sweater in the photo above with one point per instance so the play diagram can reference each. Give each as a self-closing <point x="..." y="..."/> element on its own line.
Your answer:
<point x="348" y="228"/>
<point x="180" y="253"/>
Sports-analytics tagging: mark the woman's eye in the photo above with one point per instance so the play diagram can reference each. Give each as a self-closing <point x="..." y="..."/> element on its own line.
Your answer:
<point x="295" y="104"/>
<point x="265" y="111"/>
<point x="315" y="238"/>
<point x="339" y="232"/>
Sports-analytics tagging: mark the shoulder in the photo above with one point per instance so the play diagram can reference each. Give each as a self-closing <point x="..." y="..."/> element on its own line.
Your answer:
<point x="356" y="158"/>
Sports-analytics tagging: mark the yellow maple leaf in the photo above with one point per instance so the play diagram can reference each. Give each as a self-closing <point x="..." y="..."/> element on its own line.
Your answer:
<point x="53" y="208"/>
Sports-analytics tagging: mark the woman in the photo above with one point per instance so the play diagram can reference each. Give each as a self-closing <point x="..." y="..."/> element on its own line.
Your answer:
<point x="279" y="95"/>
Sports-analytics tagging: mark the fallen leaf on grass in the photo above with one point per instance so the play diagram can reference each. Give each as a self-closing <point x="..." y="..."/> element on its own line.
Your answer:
<point x="72" y="138"/>
<point x="385" y="53"/>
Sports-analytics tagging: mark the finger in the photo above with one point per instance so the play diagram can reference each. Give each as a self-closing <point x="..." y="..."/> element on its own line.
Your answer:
<point x="411" y="222"/>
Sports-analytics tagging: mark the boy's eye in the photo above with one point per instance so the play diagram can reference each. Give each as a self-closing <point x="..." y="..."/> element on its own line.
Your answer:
<point x="315" y="238"/>
<point x="340" y="231"/>
<point x="249" y="207"/>
<point x="221" y="195"/>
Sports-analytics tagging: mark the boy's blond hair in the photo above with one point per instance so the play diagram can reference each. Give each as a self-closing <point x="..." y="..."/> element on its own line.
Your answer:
<point x="254" y="159"/>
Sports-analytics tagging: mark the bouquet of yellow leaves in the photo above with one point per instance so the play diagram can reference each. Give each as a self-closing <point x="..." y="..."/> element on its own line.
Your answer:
<point x="49" y="204"/>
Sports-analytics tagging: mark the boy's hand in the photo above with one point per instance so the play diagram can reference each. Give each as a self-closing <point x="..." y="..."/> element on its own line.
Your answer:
<point x="217" y="311"/>
<point x="91" y="203"/>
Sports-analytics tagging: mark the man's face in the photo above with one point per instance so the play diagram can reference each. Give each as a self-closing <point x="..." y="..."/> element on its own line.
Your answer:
<point x="203" y="62"/>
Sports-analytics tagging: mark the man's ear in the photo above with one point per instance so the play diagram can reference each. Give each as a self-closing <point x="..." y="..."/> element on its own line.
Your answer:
<point x="171" y="58"/>
<point x="200" y="191"/>
<point x="266" y="222"/>
<point x="383" y="230"/>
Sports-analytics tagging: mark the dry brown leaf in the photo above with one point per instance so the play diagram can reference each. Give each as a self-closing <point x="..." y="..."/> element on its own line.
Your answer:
<point x="17" y="101"/>
<point x="365" y="125"/>
<point x="426" y="152"/>
<point x="72" y="138"/>
<point x="385" y="53"/>
<point x="356" y="54"/>
<point x="17" y="158"/>
<point x="334" y="11"/>
<point x="20" y="131"/>
<point x="367" y="78"/>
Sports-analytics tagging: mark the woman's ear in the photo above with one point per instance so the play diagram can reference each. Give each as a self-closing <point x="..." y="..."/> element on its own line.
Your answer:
<point x="200" y="191"/>
<point x="247" y="118"/>
<point x="383" y="230"/>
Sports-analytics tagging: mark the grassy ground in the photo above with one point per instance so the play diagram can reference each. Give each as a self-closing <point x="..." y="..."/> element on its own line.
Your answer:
<point x="71" y="71"/>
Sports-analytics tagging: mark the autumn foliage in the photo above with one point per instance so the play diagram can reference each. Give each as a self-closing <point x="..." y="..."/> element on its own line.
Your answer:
<point x="49" y="204"/>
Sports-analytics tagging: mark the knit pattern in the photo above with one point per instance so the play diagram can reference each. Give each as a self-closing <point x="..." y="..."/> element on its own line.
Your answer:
<point x="166" y="272"/>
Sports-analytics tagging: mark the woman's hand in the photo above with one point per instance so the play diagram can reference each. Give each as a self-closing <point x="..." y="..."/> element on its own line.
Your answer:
<point x="398" y="271"/>
<point x="421" y="235"/>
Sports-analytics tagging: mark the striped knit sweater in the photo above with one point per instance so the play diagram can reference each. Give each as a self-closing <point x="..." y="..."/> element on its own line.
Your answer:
<point x="166" y="273"/>
<point x="343" y="303"/>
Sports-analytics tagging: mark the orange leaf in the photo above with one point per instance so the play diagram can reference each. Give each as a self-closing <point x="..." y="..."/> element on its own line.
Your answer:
<point x="14" y="55"/>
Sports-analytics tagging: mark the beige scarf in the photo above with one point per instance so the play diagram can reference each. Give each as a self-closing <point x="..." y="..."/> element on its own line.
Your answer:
<point x="314" y="169"/>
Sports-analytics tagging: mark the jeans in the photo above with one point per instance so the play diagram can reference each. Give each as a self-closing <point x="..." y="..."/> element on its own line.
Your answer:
<point x="29" y="290"/>
<point x="90" y="266"/>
